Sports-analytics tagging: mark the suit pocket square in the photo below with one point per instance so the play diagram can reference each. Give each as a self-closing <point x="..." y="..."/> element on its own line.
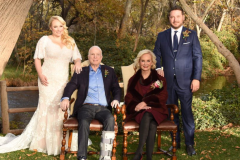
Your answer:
<point x="186" y="43"/>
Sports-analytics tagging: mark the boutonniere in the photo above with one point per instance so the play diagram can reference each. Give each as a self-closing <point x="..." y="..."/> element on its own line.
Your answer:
<point x="106" y="72"/>
<point x="186" y="34"/>
<point x="157" y="84"/>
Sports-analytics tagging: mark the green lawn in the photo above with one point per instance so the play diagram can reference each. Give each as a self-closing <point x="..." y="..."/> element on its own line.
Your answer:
<point x="215" y="144"/>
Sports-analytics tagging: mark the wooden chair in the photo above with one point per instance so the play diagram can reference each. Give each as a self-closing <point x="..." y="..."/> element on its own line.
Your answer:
<point x="70" y="124"/>
<point x="167" y="125"/>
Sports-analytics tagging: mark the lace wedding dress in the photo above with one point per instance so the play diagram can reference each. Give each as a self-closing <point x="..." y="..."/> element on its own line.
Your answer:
<point x="44" y="131"/>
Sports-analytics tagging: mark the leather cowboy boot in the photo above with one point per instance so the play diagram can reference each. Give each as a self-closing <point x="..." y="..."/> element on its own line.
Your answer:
<point x="107" y="145"/>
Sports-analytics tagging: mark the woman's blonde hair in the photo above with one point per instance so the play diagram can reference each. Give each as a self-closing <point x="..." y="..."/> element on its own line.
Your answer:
<point x="140" y="54"/>
<point x="66" y="39"/>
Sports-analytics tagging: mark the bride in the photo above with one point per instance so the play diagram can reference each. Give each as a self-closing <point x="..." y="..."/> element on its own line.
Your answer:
<point x="44" y="131"/>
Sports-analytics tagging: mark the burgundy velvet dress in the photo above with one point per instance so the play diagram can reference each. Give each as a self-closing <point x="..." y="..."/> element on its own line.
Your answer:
<point x="140" y="90"/>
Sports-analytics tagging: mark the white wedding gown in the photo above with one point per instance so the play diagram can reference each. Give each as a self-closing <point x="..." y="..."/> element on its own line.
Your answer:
<point x="44" y="131"/>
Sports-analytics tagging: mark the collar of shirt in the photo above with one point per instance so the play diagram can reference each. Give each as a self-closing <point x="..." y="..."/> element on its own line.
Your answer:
<point x="98" y="69"/>
<point x="178" y="33"/>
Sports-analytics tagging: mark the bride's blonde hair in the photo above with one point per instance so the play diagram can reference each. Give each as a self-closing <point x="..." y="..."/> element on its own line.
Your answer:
<point x="66" y="39"/>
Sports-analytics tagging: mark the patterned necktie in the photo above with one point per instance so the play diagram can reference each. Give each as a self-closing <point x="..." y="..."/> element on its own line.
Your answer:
<point x="175" y="43"/>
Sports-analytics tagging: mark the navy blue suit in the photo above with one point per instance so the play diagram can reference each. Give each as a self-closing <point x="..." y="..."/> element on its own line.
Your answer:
<point x="186" y="65"/>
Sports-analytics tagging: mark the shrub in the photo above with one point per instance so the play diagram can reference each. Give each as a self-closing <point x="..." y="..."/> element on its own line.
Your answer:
<point x="218" y="108"/>
<point x="212" y="59"/>
<point x="207" y="114"/>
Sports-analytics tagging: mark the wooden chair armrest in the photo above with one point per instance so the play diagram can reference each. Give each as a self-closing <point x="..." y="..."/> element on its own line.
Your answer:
<point x="66" y="111"/>
<point x="174" y="109"/>
<point x="116" y="112"/>
<point x="123" y="111"/>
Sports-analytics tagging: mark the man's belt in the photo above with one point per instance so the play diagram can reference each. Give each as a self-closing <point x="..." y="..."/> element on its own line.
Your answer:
<point x="93" y="104"/>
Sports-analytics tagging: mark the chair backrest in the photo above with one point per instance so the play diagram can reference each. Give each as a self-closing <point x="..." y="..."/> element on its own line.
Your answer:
<point x="127" y="73"/>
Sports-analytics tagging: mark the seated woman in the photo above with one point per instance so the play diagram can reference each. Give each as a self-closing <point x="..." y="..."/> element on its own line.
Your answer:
<point x="146" y="101"/>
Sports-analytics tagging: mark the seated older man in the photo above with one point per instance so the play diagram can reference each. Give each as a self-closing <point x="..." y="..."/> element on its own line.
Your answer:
<point x="95" y="85"/>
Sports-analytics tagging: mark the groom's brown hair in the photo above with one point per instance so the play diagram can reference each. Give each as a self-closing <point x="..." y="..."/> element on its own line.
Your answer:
<point x="176" y="7"/>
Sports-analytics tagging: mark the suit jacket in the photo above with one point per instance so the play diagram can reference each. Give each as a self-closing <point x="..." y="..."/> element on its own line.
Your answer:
<point x="155" y="98"/>
<point x="81" y="83"/>
<point x="188" y="61"/>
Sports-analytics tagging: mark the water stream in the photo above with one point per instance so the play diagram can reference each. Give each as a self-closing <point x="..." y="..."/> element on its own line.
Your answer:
<point x="21" y="99"/>
<point x="218" y="82"/>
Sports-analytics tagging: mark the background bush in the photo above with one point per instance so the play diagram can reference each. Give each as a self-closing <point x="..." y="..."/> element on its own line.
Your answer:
<point x="213" y="61"/>
<point x="218" y="108"/>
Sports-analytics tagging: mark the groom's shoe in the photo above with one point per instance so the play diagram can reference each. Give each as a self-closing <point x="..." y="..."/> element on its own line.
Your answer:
<point x="82" y="158"/>
<point x="171" y="148"/>
<point x="190" y="150"/>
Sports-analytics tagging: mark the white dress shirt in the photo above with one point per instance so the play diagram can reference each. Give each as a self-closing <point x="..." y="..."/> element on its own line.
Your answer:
<point x="178" y="33"/>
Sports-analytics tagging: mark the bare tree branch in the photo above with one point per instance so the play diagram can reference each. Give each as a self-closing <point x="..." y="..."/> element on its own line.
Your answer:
<point x="206" y="11"/>
<point x="233" y="63"/>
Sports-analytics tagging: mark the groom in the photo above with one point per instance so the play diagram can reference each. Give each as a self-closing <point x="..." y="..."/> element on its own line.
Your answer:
<point x="95" y="85"/>
<point x="179" y="50"/>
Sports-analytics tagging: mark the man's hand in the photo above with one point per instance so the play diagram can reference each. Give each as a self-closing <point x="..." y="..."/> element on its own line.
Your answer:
<point x="77" y="67"/>
<point x="160" y="72"/>
<point x="64" y="104"/>
<point x="141" y="106"/>
<point x="114" y="103"/>
<point x="195" y="85"/>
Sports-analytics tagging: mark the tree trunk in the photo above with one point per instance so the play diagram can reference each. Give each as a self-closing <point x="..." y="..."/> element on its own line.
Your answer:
<point x="143" y="10"/>
<point x="13" y="14"/>
<point x="204" y="16"/>
<point x="222" y="18"/>
<point x="221" y="21"/>
<point x="65" y="9"/>
<point x="198" y="31"/>
<point x="123" y="24"/>
<point x="159" y="15"/>
<point x="208" y="8"/>
<point x="233" y="63"/>
<point x="197" y="27"/>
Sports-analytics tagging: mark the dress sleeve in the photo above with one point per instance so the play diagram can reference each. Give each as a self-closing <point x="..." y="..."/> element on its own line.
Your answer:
<point x="40" y="48"/>
<point x="76" y="53"/>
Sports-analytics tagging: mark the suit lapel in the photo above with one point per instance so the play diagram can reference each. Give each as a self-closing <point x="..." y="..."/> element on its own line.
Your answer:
<point x="103" y="75"/>
<point x="169" y="40"/>
<point x="181" y="41"/>
<point x="104" y="80"/>
<point x="86" y="80"/>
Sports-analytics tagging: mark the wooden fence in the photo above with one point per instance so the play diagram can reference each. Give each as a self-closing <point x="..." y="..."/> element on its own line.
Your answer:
<point x="6" y="110"/>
